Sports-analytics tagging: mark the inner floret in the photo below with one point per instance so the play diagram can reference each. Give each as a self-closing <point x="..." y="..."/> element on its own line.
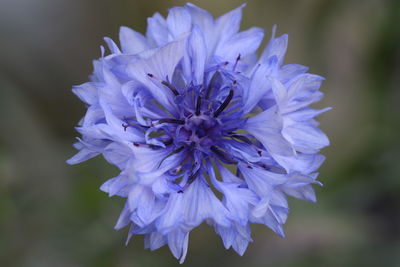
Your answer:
<point x="202" y="129"/>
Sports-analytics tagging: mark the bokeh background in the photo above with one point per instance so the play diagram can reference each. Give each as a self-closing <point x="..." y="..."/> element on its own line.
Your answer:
<point x="52" y="214"/>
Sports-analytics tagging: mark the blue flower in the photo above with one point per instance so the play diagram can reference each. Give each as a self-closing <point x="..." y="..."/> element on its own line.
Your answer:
<point x="189" y="109"/>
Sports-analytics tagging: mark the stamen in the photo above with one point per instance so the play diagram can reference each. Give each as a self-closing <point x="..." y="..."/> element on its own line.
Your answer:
<point x="225" y="103"/>
<point x="167" y="84"/>
<point x="198" y="105"/>
<point x="136" y="144"/>
<point x="213" y="80"/>
<point x="237" y="60"/>
<point x="242" y="138"/>
<point x="176" y="151"/>
<point x="127" y="125"/>
<point x="191" y="178"/>
<point x="168" y="120"/>
<point x="225" y="157"/>
<point x="168" y="142"/>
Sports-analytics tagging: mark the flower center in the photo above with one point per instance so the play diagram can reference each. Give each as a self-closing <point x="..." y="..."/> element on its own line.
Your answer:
<point x="202" y="129"/>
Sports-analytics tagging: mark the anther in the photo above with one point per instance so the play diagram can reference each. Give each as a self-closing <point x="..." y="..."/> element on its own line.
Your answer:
<point x="167" y="84"/>
<point x="191" y="178"/>
<point x="242" y="138"/>
<point x="212" y="83"/>
<point x="224" y="104"/>
<point x="223" y="156"/>
<point x="168" y="120"/>
<point x="198" y="105"/>
<point x="237" y="60"/>
<point x="136" y="144"/>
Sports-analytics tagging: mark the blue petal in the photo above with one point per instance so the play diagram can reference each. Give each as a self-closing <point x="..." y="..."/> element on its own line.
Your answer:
<point x="276" y="47"/>
<point x="228" y="24"/>
<point x="178" y="241"/>
<point x="244" y="43"/>
<point x="131" y="41"/>
<point x="123" y="219"/>
<point x="237" y="236"/>
<point x="112" y="46"/>
<point x="162" y="65"/>
<point x="236" y="198"/>
<point x="267" y="127"/>
<point x="83" y="155"/>
<point x="157" y="30"/>
<point x="117" y="186"/>
<point x="259" y="86"/>
<point x="306" y="163"/>
<point x="178" y="21"/>
<point x="204" y="20"/>
<point x="198" y="55"/>
<point x="154" y="241"/>
<point x="86" y="92"/>
<point x="196" y="204"/>
<point x="261" y="181"/>
<point x="290" y="71"/>
<point x="300" y="186"/>
<point x="305" y="137"/>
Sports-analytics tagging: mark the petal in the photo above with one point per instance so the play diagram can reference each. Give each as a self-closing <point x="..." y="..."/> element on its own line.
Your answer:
<point x="204" y="20"/>
<point x="237" y="236"/>
<point x="179" y="21"/>
<point x="112" y="45"/>
<point x="305" y="163"/>
<point x="244" y="43"/>
<point x="236" y="198"/>
<point x="117" y="186"/>
<point x="157" y="30"/>
<point x="305" y="137"/>
<point x="198" y="55"/>
<point x="173" y="214"/>
<point x="131" y="41"/>
<point x="290" y="71"/>
<point x="123" y="219"/>
<point x="148" y="159"/>
<point x="162" y="65"/>
<point x="305" y="114"/>
<point x="259" y="86"/>
<point x="154" y="241"/>
<point x="267" y="127"/>
<point x="261" y="181"/>
<point x="86" y="92"/>
<point x="272" y="211"/>
<point x="83" y="155"/>
<point x="301" y="92"/>
<point x="228" y="24"/>
<point x="178" y="241"/>
<point x="202" y="204"/>
<point x="276" y="47"/>
<point x="117" y="154"/>
<point x="300" y="186"/>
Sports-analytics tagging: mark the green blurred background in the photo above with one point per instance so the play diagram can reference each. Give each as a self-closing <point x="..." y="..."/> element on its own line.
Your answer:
<point x="52" y="214"/>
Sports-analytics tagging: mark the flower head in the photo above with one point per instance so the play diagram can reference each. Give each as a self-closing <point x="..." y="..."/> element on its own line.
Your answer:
<point x="189" y="109"/>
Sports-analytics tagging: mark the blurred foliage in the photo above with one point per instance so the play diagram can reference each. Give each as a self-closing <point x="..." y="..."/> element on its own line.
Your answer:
<point x="52" y="214"/>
